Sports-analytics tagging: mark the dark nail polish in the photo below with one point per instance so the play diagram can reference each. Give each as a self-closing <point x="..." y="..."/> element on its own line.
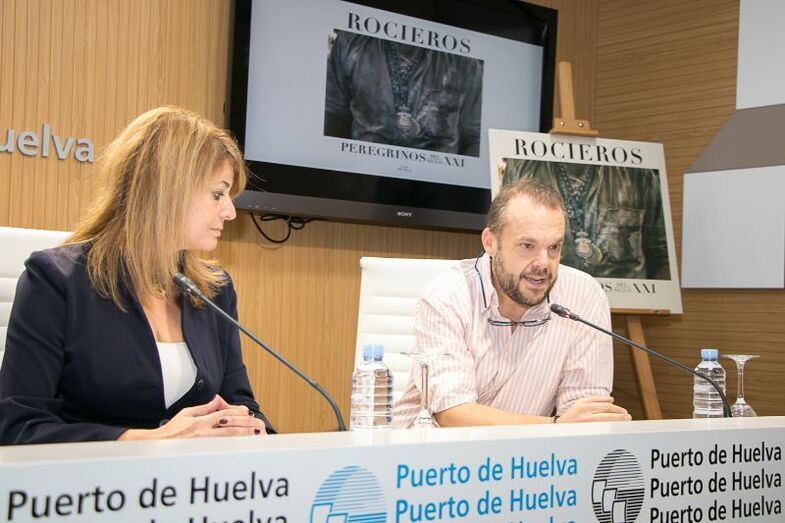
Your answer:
<point x="222" y="421"/>
<point x="257" y="431"/>
<point x="250" y="413"/>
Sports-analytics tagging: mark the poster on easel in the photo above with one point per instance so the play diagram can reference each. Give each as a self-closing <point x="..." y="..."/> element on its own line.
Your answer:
<point x="618" y="217"/>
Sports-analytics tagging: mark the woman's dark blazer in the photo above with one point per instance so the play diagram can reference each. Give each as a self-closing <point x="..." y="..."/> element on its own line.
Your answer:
<point x="77" y="368"/>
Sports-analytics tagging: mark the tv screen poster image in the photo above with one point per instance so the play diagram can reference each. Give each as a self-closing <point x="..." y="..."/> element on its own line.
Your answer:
<point x="343" y="87"/>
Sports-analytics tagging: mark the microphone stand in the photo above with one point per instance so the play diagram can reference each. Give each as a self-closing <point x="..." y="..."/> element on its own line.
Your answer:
<point x="189" y="287"/>
<point x="566" y="313"/>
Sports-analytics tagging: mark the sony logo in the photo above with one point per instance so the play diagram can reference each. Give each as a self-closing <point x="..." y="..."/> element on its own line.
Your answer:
<point x="404" y="214"/>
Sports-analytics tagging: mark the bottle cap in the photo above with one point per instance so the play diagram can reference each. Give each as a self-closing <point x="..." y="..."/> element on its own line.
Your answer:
<point x="709" y="354"/>
<point x="369" y="352"/>
<point x="373" y="352"/>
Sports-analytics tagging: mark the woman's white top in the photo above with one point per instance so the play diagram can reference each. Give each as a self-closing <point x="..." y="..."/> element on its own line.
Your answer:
<point x="178" y="369"/>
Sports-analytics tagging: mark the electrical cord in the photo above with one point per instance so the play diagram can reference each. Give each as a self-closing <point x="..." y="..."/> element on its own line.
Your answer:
<point x="293" y="223"/>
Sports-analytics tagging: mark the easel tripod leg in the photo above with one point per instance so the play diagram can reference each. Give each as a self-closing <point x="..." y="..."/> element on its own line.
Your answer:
<point x="642" y="366"/>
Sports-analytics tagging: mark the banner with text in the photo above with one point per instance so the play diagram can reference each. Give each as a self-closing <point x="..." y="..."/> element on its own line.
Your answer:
<point x="694" y="476"/>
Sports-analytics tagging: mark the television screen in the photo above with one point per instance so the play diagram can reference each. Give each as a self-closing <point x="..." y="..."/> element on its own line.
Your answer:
<point x="379" y="110"/>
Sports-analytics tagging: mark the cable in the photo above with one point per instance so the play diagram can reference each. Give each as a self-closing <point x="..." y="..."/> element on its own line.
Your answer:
<point x="293" y="223"/>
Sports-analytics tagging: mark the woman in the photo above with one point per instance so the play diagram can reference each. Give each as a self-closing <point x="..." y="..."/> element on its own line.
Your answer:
<point x="101" y="345"/>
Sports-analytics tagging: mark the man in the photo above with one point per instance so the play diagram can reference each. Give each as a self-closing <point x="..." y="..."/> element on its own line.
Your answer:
<point x="397" y="94"/>
<point x="497" y="355"/>
<point x="616" y="224"/>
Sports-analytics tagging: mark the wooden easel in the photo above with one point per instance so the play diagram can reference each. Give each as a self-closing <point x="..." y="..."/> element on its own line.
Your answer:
<point x="568" y="124"/>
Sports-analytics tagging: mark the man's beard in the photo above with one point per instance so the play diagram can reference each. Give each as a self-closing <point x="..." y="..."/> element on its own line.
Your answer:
<point x="510" y="283"/>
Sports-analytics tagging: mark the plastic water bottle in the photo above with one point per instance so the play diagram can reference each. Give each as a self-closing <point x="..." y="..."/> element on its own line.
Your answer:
<point x="706" y="402"/>
<point x="372" y="391"/>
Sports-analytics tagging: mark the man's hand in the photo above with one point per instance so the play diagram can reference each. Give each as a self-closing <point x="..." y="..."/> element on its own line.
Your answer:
<point x="594" y="408"/>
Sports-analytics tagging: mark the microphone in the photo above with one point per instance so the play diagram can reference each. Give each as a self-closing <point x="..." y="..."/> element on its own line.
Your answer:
<point x="189" y="287"/>
<point x="566" y="313"/>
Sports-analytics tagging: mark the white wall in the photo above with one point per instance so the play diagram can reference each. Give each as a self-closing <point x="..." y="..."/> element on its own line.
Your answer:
<point x="761" y="72"/>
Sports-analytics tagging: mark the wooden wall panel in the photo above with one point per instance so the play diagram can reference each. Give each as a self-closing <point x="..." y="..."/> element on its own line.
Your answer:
<point x="666" y="72"/>
<point x="576" y="43"/>
<point x="88" y="66"/>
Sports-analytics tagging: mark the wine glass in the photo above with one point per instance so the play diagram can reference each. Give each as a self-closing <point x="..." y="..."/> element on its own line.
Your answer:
<point x="741" y="409"/>
<point x="424" y="419"/>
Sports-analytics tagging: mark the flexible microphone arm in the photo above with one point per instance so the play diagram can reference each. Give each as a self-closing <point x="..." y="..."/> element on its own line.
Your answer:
<point x="189" y="287"/>
<point x="566" y="313"/>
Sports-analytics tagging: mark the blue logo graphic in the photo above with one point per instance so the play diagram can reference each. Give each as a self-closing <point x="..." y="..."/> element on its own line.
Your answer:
<point x="350" y="495"/>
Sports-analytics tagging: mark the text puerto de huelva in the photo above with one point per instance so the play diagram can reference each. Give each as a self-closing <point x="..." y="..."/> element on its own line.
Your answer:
<point x="156" y="497"/>
<point x="543" y="494"/>
<point x="732" y="482"/>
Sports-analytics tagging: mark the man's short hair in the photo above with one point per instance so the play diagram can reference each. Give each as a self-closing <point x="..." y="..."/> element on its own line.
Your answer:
<point x="537" y="192"/>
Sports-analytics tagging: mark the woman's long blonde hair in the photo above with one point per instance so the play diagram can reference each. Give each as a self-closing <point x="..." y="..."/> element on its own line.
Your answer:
<point x="135" y="226"/>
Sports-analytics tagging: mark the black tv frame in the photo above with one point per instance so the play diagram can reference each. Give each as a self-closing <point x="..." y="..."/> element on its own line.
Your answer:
<point x="294" y="190"/>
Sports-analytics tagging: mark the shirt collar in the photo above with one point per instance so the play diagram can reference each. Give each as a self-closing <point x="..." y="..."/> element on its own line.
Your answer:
<point x="482" y="268"/>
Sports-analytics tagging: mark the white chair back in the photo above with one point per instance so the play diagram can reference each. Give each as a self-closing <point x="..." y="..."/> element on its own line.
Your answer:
<point x="16" y="246"/>
<point x="389" y="288"/>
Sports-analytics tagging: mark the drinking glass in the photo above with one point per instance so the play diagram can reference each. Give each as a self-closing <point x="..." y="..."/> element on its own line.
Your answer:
<point x="424" y="419"/>
<point x="741" y="409"/>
